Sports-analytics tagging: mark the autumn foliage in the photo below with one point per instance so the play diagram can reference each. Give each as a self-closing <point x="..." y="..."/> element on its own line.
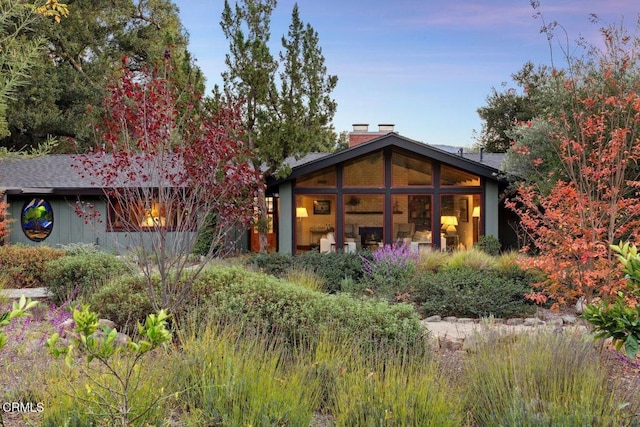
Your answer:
<point x="168" y="166"/>
<point x="596" y="202"/>
<point x="4" y="221"/>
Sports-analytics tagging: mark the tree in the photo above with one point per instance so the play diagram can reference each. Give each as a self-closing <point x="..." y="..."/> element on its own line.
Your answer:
<point x="594" y="202"/>
<point x="285" y="115"/>
<point x="114" y="384"/>
<point x="19" y="53"/>
<point x="503" y="111"/>
<point x="166" y="170"/>
<point x="69" y="78"/>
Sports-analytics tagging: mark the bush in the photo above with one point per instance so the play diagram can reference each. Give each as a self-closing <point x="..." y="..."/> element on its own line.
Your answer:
<point x="239" y="296"/>
<point x="273" y="263"/>
<point x="489" y="244"/>
<point x="333" y="267"/>
<point x="24" y="266"/>
<point x="124" y="300"/>
<point x="465" y="292"/>
<point x="80" y="275"/>
<point x="391" y="268"/>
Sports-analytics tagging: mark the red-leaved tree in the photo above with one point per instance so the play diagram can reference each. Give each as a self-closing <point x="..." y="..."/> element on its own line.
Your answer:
<point x="4" y="221"/>
<point x="595" y="203"/>
<point x="169" y="169"/>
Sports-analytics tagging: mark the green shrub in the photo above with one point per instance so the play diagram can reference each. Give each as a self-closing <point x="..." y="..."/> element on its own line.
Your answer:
<point x="274" y="263"/>
<point x="204" y="240"/>
<point x="543" y="378"/>
<point x="80" y="275"/>
<point x="267" y="303"/>
<point x="465" y="292"/>
<point x="123" y="300"/>
<point x="24" y="266"/>
<point x="489" y="244"/>
<point x="333" y="267"/>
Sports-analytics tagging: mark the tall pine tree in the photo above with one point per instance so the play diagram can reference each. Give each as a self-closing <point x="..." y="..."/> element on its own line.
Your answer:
<point x="289" y="109"/>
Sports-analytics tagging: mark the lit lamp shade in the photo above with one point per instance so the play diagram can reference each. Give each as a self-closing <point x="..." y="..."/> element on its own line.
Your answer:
<point x="449" y="223"/>
<point x="476" y="212"/>
<point x="302" y="213"/>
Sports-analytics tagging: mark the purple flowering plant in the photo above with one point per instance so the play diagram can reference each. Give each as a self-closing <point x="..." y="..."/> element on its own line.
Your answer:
<point x="392" y="265"/>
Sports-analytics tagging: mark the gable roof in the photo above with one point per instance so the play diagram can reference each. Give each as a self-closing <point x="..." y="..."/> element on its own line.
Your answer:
<point x="467" y="162"/>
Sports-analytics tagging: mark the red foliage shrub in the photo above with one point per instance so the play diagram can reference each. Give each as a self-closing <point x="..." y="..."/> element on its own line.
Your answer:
<point x="24" y="266"/>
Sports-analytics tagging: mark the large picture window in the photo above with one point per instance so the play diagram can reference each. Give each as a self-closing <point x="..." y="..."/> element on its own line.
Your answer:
<point x="140" y="216"/>
<point x="36" y="219"/>
<point x="367" y="171"/>
<point x="410" y="171"/>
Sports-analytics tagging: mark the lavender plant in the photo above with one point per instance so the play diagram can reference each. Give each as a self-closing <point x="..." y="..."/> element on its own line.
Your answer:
<point x="391" y="266"/>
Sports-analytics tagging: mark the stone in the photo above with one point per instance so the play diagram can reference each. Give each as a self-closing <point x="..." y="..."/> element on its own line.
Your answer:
<point x="569" y="319"/>
<point x="533" y="321"/>
<point x="465" y="320"/>
<point x="435" y="318"/>
<point x="450" y="343"/>
<point x="515" y="321"/>
<point x="450" y="319"/>
<point x="555" y="321"/>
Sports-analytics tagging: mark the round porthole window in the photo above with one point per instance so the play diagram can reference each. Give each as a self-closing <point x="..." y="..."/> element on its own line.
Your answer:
<point x="37" y="219"/>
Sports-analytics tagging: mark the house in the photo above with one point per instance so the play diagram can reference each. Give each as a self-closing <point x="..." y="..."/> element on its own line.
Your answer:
<point x="382" y="189"/>
<point x="44" y="195"/>
<point x="386" y="188"/>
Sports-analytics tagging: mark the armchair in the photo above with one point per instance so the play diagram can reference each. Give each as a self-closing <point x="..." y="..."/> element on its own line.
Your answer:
<point x="404" y="232"/>
<point x="328" y="243"/>
<point x="352" y="235"/>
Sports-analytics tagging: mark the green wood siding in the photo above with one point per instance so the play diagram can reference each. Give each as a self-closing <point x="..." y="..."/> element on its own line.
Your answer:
<point x="285" y="225"/>
<point x="491" y="207"/>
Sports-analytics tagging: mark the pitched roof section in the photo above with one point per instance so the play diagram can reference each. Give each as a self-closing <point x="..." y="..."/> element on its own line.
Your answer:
<point x="56" y="174"/>
<point x="489" y="167"/>
<point x="45" y="174"/>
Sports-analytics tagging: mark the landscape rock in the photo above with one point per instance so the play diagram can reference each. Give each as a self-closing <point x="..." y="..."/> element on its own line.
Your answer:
<point x="515" y="321"/>
<point x="533" y="321"/>
<point x="435" y="318"/>
<point x="465" y="320"/>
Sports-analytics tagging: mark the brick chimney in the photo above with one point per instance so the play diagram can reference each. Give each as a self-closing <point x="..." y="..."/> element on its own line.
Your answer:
<point x="361" y="134"/>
